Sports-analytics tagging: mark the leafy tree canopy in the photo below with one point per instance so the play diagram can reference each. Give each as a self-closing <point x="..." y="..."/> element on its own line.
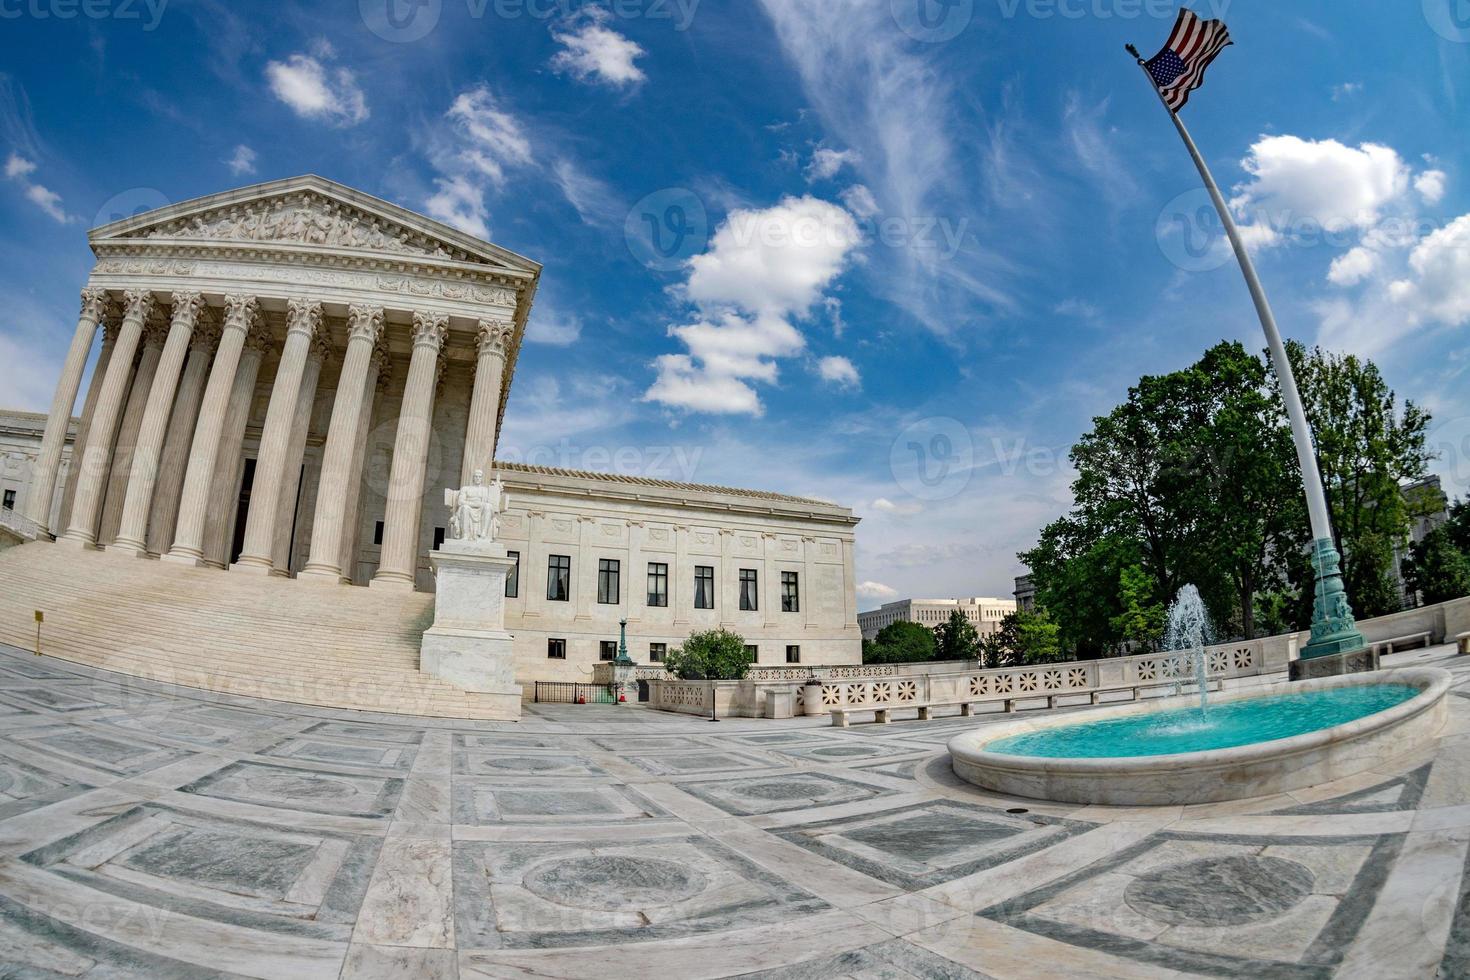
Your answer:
<point x="711" y="655"/>
<point x="900" y="643"/>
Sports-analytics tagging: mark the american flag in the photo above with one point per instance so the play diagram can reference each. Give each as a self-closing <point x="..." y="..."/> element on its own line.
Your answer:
<point x="1180" y="68"/>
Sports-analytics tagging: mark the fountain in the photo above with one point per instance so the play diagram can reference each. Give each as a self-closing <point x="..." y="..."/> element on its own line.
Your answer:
<point x="1240" y="743"/>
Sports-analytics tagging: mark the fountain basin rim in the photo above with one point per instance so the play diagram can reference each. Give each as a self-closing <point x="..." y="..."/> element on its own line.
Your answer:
<point x="1212" y="775"/>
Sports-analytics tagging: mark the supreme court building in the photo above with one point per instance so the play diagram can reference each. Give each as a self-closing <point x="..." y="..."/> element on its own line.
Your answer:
<point x="291" y="373"/>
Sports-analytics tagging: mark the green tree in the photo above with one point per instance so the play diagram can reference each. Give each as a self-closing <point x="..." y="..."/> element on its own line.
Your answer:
<point x="1367" y="447"/>
<point x="956" y="639"/>
<point x="718" y="655"/>
<point x="1024" y="638"/>
<point x="1438" y="567"/>
<point x="1143" y="617"/>
<point x="900" y="643"/>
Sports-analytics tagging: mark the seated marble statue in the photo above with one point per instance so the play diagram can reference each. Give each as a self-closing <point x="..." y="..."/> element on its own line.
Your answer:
<point x="474" y="511"/>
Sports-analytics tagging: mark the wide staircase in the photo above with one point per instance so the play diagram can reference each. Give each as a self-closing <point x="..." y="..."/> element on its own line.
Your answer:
<point x="227" y="632"/>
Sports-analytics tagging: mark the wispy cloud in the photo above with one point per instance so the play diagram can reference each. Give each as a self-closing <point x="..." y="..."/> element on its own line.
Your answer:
<point x="241" y="161"/>
<point x="593" y="52"/>
<point x="18" y="170"/>
<point x="315" y="89"/>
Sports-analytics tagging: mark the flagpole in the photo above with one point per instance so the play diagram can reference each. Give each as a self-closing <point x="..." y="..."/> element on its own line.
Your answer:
<point x="1333" y="628"/>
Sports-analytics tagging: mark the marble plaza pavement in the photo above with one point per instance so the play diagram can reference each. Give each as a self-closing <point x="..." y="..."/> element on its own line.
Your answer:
<point x="171" y="833"/>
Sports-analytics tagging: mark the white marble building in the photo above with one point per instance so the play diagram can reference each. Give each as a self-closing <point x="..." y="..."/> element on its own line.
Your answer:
<point x="291" y="373"/>
<point x="985" y="614"/>
<point x="20" y="446"/>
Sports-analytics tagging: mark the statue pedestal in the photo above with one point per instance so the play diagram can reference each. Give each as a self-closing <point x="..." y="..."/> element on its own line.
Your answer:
<point x="468" y="646"/>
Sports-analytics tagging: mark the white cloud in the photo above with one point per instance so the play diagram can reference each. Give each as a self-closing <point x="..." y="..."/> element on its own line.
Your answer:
<point x="826" y="162"/>
<point x="1324" y="182"/>
<point x="19" y="169"/>
<point x="552" y="328"/>
<point x="839" y="371"/>
<point x="595" y="52"/>
<point x="595" y="201"/>
<point x="885" y="506"/>
<point x="876" y="591"/>
<point x="763" y="268"/>
<point x="1431" y="186"/>
<point x="1353" y="267"/>
<point x="1346" y="91"/>
<point x="860" y="201"/>
<point x="315" y="91"/>
<point x="242" y="161"/>
<point x="477" y="143"/>
<point x="1438" y="288"/>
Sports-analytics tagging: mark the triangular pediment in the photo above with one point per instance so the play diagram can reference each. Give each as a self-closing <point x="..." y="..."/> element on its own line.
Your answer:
<point x="308" y="212"/>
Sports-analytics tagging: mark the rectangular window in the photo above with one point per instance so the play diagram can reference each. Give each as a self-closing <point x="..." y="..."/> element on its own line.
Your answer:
<point x="378" y="533"/>
<point x="559" y="578"/>
<point x="608" y="650"/>
<point x="609" y="581"/>
<point x="790" y="592"/>
<point x="704" y="586"/>
<point x="9" y="500"/>
<point x="793" y="654"/>
<point x="748" y="590"/>
<point x="658" y="584"/>
<point x="513" y="579"/>
<point x="556" y="649"/>
<point x="438" y="538"/>
<point x="656" y="652"/>
<point x="753" y="652"/>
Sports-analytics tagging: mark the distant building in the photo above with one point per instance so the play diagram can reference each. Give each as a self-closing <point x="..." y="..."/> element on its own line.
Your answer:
<point x="1025" y="593"/>
<point x="20" y="445"/>
<point x="1429" y="507"/>
<point x="983" y="613"/>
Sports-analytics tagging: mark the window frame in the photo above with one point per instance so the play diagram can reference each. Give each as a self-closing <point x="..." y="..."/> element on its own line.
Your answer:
<point x="559" y="572"/>
<point x="657" y="652"/>
<point x="704" y="575"/>
<point x="790" y="591"/>
<point x="657" y="591"/>
<point x="556" y="648"/>
<point x="609" y="581"/>
<point x="750" y="601"/>
<point x="513" y="577"/>
<point x="796" y="649"/>
<point x="607" y="650"/>
<point x="753" y="651"/>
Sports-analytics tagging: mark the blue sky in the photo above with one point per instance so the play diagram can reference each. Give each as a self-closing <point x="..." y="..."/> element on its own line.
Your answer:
<point x="893" y="253"/>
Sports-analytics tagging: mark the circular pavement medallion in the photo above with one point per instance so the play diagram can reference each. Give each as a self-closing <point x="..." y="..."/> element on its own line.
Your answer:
<point x="614" y="882"/>
<point x="1227" y="891"/>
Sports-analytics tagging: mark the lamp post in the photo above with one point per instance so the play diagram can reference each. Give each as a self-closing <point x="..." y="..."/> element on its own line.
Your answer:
<point x="623" y="665"/>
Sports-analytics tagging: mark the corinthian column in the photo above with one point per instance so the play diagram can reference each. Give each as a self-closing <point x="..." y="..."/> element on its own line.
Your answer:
<point x="493" y="337"/>
<point x="111" y="324"/>
<point x="411" y="456"/>
<point x="329" y="527"/>
<point x="53" y="440"/>
<point x="175" y="459"/>
<point x="376" y="387"/>
<point x="304" y="319"/>
<point x="296" y="454"/>
<point x="92" y="474"/>
<point x="224" y="497"/>
<point x="132" y="529"/>
<point x="242" y="313"/>
<point x="155" y="332"/>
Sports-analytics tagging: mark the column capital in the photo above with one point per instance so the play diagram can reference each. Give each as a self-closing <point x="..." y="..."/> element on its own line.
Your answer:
<point x="241" y="312"/>
<point x="303" y="316"/>
<point x="495" y="336"/>
<point x="188" y="307"/>
<point x="430" y="329"/>
<point x="364" y="321"/>
<point x="206" y="333"/>
<point x="94" y="303"/>
<point x="155" y="327"/>
<point x="258" y="340"/>
<point x="139" y="303"/>
<point x="321" y="347"/>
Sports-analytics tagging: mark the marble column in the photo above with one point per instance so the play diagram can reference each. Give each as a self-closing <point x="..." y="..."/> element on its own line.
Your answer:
<point x="681" y="590"/>
<point x="584" y="569"/>
<point x="174" y="461"/>
<point x="224" y="496"/>
<point x="350" y="416"/>
<point x="636" y="576"/>
<point x="808" y="584"/>
<point x="242" y="314"/>
<point x="303" y="321"/>
<point x="155" y="333"/>
<point x="291" y="480"/>
<point x="111" y="324"/>
<point x="53" y="439"/>
<point x="376" y="387"/>
<point x="92" y="473"/>
<point x="399" y="561"/>
<point x="727" y="586"/>
<point x="132" y="533"/>
<point x="494" y="339"/>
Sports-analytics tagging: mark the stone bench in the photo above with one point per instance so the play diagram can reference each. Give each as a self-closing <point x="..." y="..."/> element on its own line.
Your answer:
<point x="1463" y="642"/>
<point x="1423" y="639"/>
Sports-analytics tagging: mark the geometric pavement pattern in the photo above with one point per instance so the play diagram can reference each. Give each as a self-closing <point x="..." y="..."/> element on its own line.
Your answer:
<point x="156" y="832"/>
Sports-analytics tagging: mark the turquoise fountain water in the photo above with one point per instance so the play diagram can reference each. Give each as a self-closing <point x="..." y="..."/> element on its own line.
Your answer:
<point x="1188" y="632"/>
